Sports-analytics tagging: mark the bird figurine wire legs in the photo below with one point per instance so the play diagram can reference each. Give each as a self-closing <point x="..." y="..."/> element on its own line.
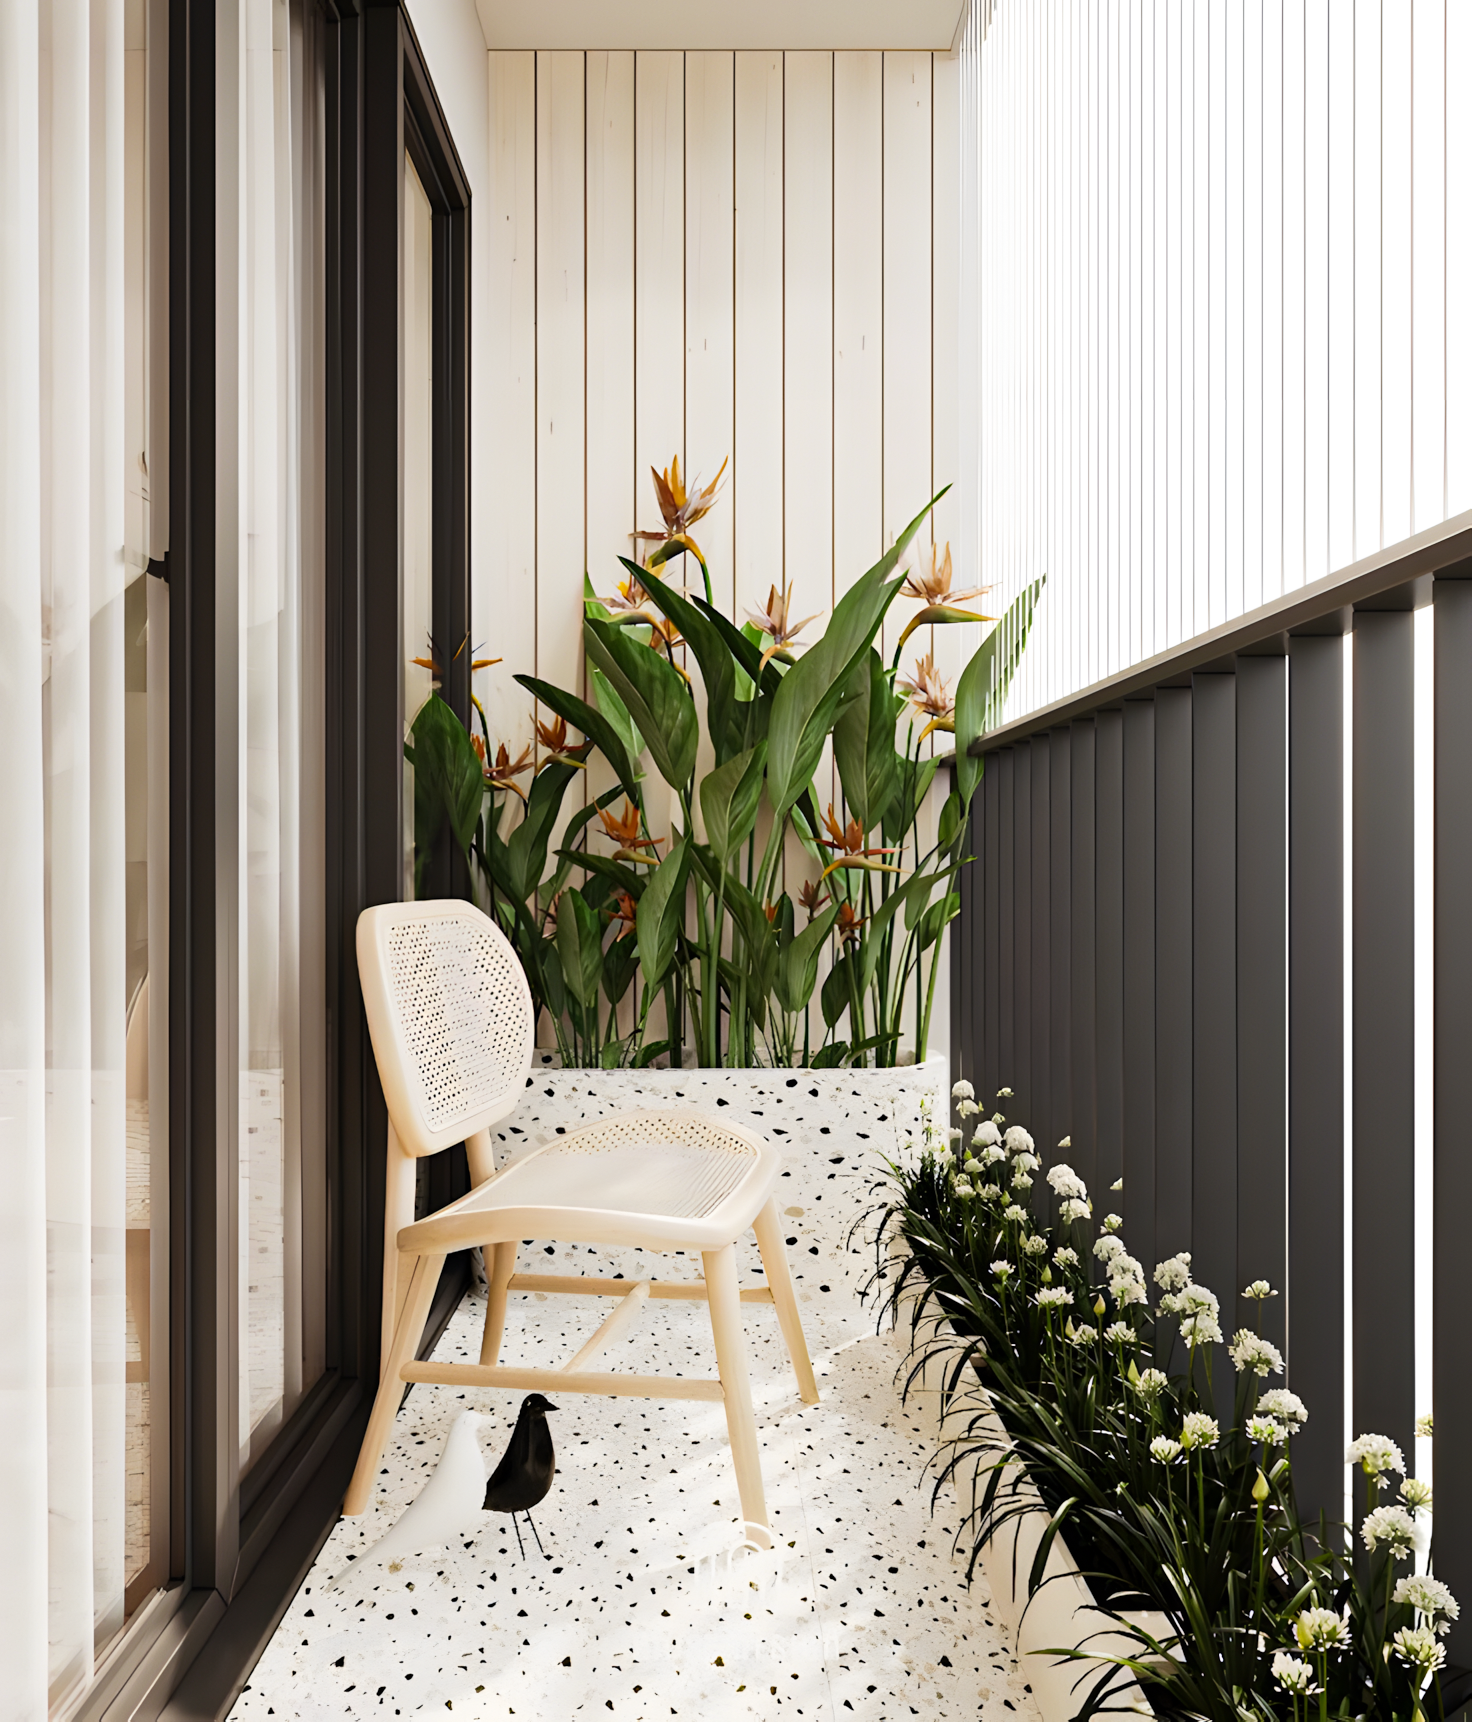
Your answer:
<point x="527" y="1467"/>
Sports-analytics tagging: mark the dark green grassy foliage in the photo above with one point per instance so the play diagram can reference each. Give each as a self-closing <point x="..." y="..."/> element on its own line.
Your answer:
<point x="1212" y="1539"/>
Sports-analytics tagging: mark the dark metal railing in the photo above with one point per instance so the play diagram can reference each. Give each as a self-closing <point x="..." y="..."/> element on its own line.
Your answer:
<point x="1153" y="951"/>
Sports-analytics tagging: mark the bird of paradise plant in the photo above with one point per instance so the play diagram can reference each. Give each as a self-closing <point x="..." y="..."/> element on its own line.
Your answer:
<point x="735" y="720"/>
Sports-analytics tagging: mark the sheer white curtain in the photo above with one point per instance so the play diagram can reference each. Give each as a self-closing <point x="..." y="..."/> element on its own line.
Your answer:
<point x="63" y="1004"/>
<point x="270" y="345"/>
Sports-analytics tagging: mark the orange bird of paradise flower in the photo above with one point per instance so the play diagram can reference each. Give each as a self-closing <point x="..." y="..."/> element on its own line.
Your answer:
<point x="847" y="842"/>
<point x="775" y="621"/>
<point x="623" y="828"/>
<point x="503" y="772"/>
<point x="624" y="912"/>
<point x="554" y="742"/>
<point x="931" y="696"/>
<point x="809" y="897"/>
<point x="848" y="924"/>
<point x="930" y="582"/>
<point x="681" y="508"/>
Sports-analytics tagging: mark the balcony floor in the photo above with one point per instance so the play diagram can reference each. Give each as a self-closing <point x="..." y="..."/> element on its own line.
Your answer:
<point x="637" y="1607"/>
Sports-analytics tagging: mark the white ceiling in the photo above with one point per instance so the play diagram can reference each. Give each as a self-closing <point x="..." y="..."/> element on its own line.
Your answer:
<point x="719" y="23"/>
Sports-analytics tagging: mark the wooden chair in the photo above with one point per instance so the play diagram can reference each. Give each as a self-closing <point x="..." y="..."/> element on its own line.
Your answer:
<point x="451" y="1019"/>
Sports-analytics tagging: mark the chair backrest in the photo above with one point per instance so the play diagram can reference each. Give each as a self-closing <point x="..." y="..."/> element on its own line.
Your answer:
<point x="451" y="1018"/>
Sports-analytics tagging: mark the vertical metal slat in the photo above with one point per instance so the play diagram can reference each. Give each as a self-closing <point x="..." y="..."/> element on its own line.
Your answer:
<point x="1137" y="1201"/>
<point x="1109" y="952"/>
<point x="1214" y="987"/>
<point x="1081" y="932"/>
<point x="1173" y="971"/>
<point x="1262" y="909"/>
<point x="1384" y="1050"/>
<point x="1315" y="1290"/>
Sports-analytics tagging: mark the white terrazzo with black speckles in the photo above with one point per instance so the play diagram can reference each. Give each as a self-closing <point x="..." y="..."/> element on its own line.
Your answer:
<point x="638" y="1606"/>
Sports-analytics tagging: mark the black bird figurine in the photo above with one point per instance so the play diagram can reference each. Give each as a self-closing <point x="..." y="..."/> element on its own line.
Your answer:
<point x="525" y="1473"/>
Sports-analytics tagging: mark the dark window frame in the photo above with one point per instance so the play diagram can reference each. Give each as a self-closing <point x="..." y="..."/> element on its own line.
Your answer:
<point x="240" y="1547"/>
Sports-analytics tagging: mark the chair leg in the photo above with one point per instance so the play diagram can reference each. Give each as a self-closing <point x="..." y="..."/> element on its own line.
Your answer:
<point x="410" y="1329"/>
<point x="724" y="1298"/>
<point x="768" y="1229"/>
<point x="501" y="1268"/>
<point x="398" y="1212"/>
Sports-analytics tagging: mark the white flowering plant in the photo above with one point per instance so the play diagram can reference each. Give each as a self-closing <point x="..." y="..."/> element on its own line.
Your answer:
<point x="1177" y="1495"/>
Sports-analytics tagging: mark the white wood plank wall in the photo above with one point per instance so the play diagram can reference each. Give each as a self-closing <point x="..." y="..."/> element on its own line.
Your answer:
<point x="708" y="254"/>
<point x="1210" y="260"/>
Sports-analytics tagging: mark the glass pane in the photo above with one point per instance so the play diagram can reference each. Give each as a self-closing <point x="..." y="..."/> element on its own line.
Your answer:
<point x="281" y="774"/>
<point x="420" y="651"/>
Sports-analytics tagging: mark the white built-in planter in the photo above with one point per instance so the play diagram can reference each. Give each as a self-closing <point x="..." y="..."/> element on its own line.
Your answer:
<point x="1062" y="1614"/>
<point x="810" y="1114"/>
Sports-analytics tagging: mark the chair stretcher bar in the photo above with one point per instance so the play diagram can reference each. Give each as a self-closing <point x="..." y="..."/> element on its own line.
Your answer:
<point x="575" y="1284"/>
<point x="561" y="1381"/>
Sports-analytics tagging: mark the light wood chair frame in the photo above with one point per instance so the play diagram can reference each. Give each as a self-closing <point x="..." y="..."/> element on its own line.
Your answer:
<point x="414" y="1254"/>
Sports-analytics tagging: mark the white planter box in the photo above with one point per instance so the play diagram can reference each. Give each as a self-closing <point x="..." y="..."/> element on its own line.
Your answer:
<point x="1062" y="1614"/>
<point x="805" y="1112"/>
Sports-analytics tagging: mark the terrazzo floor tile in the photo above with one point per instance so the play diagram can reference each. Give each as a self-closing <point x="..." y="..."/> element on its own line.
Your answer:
<point x="640" y="1603"/>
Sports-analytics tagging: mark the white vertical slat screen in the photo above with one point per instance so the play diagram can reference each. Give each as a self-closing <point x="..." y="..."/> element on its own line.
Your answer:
<point x="709" y="254"/>
<point x="1208" y="349"/>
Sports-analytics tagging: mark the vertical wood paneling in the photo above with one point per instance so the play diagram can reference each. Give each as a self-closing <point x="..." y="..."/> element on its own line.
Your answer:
<point x="858" y="315"/>
<point x="1384" y="1024"/>
<point x="610" y="315"/>
<point x="1138" y="1106"/>
<point x="808" y="323"/>
<point x="1315" y="1292"/>
<point x="1081" y="962"/>
<point x="507" y="326"/>
<point x="1429" y="187"/>
<point x="1208" y="345"/>
<point x="659" y="272"/>
<point x="1453" y="1095"/>
<point x="1174" y="991"/>
<point x="1109" y="948"/>
<point x="710" y="193"/>
<point x="1262" y="1037"/>
<point x="560" y="379"/>
<point x="1214" y="985"/>
<point x="759" y="456"/>
<point x="1396" y="203"/>
<point x="907" y="289"/>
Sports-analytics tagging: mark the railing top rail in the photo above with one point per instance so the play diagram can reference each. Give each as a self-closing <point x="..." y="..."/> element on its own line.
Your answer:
<point x="1436" y="550"/>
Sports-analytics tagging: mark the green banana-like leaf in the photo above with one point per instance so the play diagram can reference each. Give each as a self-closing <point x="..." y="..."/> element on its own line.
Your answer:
<point x="933" y="922"/>
<point x="620" y="876"/>
<point x="657" y="698"/>
<point x="729" y="798"/>
<point x="661" y="913"/>
<point x="983" y="684"/>
<point x="744" y="645"/>
<point x="617" y="713"/>
<point x="815" y="689"/>
<point x="835" y="996"/>
<point x="863" y="746"/>
<point x="620" y="964"/>
<point x="914" y="787"/>
<point x="555" y="881"/>
<point x="580" y="947"/>
<point x="593" y="725"/>
<point x="448" y="781"/>
<point x="526" y="848"/>
<point x="797" y="967"/>
<point x="918" y="888"/>
<point x="712" y="653"/>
